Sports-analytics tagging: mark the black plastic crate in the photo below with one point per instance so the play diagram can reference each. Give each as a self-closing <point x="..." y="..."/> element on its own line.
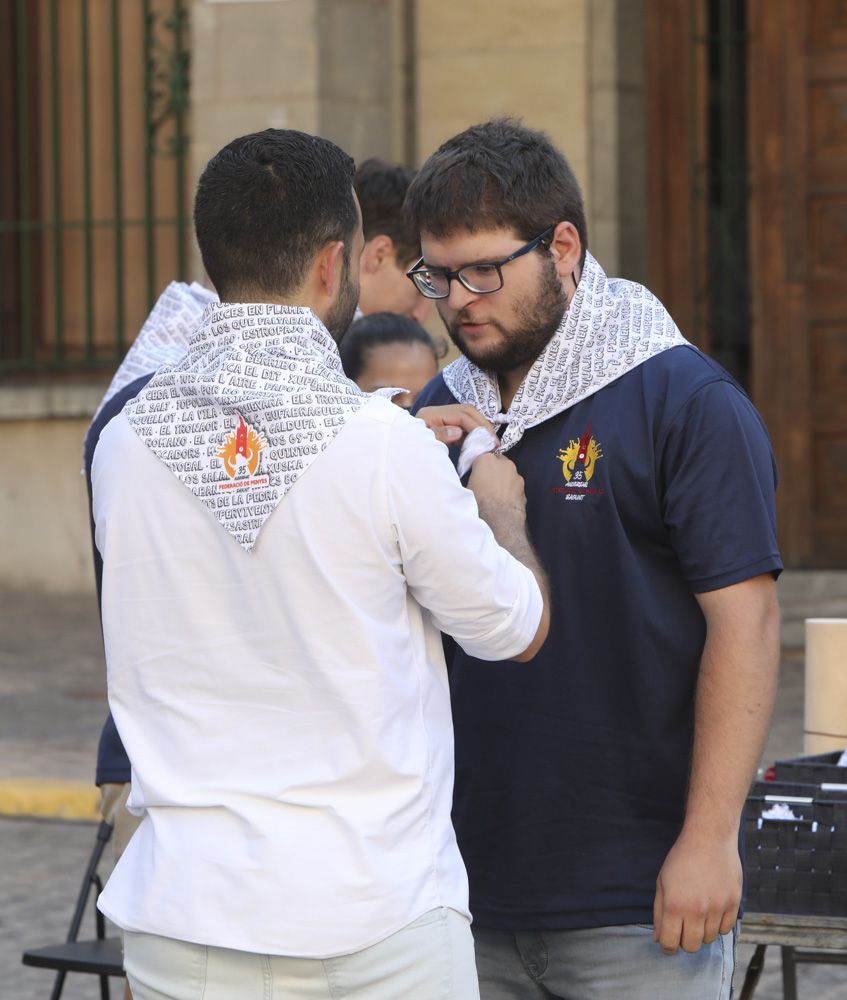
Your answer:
<point x="815" y="770"/>
<point x="796" y="865"/>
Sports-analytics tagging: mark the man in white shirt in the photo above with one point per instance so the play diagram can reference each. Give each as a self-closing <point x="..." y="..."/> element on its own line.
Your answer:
<point x="280" y="551"/>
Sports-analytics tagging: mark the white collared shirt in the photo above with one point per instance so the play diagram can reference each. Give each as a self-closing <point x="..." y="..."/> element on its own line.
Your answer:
<point x="286" y="710"/>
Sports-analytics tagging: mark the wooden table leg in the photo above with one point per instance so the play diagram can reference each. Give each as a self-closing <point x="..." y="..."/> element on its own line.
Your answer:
<point x="754" y="971"/>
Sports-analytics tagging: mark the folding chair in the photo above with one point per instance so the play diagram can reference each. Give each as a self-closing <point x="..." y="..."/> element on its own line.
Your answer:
<point x="100" y="956"/>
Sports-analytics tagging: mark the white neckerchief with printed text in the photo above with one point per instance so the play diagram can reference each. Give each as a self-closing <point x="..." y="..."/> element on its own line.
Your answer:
<point x="163" y="340"/>
<point x="610" y="327"/>
<point x="258" y="398"/>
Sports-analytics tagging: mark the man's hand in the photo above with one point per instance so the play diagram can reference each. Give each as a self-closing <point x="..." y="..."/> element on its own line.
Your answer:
<point x="452" y="422"/>
<point x="497" y="486"/>
<point x="699" y="887"/>
<point x="698" y="892"/>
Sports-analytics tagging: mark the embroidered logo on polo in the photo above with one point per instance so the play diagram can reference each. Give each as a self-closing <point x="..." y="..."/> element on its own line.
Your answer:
<point x="241" y="453"/>
<point x="579" y="461"/>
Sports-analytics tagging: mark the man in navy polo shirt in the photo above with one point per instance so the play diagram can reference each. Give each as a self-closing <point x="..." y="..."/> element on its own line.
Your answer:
<point x="598" y="796"/>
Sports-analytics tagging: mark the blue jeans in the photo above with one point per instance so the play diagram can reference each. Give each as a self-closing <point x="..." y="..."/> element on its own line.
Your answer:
<point x="603" y="963"/>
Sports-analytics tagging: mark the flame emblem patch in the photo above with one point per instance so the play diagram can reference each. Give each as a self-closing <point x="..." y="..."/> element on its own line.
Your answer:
<point x="242" y="450"/>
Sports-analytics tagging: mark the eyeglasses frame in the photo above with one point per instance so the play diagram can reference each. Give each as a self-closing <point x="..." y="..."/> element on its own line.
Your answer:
<point x="498" y="264"/>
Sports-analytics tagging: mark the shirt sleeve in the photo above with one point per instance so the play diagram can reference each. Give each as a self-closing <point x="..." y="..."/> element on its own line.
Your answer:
<point x="719" y="489"/>
<point x="473" y="588"/>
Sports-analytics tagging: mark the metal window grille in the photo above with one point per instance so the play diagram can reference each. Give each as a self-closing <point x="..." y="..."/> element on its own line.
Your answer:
<point x="93" y="162"/>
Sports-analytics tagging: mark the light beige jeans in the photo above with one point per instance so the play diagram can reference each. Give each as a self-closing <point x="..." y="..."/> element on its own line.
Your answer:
<point x="430" y="959"/>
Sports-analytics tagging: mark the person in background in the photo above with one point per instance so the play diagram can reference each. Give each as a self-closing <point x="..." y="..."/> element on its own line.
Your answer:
<point x="391" y="245"/>
<point x="387" y="350"/>
<point x="598" y="797"/>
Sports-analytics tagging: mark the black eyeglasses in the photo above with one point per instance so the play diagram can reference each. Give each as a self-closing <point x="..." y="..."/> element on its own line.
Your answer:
<point x="481" y="279"/>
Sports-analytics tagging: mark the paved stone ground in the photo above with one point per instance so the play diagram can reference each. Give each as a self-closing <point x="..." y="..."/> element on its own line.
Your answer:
<point x="52" y="686"/>
<point x="52" y="705"/>
<point x="43" y="863"/>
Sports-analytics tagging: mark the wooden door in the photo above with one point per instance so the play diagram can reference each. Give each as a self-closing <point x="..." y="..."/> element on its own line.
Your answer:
<point x="798" y="216"/>
<point x="796" y="211"/>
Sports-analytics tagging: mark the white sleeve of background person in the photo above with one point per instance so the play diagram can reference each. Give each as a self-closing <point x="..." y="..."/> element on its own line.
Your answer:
<point x="474" y="589"/>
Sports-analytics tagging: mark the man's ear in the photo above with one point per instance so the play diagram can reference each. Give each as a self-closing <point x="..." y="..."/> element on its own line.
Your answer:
<point x="329" y="267"/>
<point x="566" y="248"/>
<point x="378" y="250"/>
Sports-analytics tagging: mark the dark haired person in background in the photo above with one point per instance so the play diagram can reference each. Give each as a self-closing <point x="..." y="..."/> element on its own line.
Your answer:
<point x="391" y="244"/>
<point x="598" y="796"/>
<point x="384" y="350"/>
<point x="271" y="594"/>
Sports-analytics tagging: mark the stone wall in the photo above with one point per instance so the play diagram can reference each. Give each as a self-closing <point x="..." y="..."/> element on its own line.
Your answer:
<point x="394" y="78"/>
<point x="616" y="126"/>
<point x="43" y="499"/>
<point x="477" y="59"/>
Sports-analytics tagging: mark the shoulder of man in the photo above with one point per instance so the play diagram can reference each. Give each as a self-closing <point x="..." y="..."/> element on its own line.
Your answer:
<point x="686" y="369"/>
<point x="677" y="377"/>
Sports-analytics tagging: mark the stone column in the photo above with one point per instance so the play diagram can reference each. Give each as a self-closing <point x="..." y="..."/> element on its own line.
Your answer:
<point x="617" y="128"/>
<point x="254" y="65"/>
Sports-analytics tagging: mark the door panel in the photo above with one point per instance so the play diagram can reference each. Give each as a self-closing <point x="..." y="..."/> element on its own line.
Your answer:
<point x="797" y="142"/>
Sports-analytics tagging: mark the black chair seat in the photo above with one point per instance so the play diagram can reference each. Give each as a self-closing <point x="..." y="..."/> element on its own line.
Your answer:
<point x="101" y="957"/>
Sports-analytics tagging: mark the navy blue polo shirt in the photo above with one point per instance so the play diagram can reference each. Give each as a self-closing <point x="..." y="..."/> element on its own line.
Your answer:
<point x="571" y="770"/>
<point x="112" y="761"/>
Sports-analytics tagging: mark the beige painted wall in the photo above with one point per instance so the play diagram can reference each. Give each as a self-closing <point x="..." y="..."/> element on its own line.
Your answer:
<point x="44" y="507"/>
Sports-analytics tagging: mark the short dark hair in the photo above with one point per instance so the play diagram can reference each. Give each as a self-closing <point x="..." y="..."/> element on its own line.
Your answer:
<point x="496" y="175"/>
<point x="381" y="188"/>
<point x="266" y="204"/>
<point x="377" y="329"/>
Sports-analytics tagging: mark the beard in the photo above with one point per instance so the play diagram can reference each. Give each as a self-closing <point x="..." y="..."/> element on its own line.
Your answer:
<point x="537" y="317"/>
<point x="342" y="311"/>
